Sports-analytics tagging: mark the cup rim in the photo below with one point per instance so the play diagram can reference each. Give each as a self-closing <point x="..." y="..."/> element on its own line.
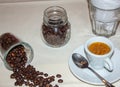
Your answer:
<point x="88" y="42"/>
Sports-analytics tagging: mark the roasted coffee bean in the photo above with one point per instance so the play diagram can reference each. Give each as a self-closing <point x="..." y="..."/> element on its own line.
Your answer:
<point x="56" y="86"/>
<point x="12" y="76"/>
<point x="60" y="81"/>
<point x="48" y="85"/>
<point x="26" y="83"/>
<point x="58" y="75"/>
<point x="41" y="73"/>
<point x="16" y="83"/>
<point x="45" y="74"/>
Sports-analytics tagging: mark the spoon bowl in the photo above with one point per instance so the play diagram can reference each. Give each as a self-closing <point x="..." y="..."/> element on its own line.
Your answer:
<point x="82" y="62"/>
<point x="79" y="60"/>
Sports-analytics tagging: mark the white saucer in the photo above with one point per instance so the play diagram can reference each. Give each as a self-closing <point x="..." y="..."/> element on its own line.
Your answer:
<point x="87" y="76"/>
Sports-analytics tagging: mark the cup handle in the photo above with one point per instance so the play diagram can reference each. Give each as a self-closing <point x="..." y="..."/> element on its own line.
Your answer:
<point x="108" y="64"/>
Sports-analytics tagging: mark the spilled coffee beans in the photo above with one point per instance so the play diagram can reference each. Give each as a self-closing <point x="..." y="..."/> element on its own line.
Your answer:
<point x="16" y="58"/>
<point x="25" y="75"/>
<point x="7" y="40"/>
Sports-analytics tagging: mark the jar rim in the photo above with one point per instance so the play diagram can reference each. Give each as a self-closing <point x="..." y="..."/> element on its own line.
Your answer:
<point x="55" y="8"/>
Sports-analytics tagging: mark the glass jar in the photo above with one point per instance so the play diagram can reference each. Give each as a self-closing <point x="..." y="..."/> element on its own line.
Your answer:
<point x="14" y="52"/>
<point x="56" y="28"/>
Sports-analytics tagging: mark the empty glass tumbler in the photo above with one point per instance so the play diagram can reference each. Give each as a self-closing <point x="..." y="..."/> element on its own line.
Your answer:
<point x="56" y="28"/>
<point x="104" y="21"/>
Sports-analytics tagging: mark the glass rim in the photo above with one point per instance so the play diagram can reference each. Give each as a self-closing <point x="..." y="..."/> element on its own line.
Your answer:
<point x="17" y="44"/>
<point x="90" y="3"/>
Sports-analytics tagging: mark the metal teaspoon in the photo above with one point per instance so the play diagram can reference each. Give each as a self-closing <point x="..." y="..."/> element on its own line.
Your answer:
<point x="81" y="62"/>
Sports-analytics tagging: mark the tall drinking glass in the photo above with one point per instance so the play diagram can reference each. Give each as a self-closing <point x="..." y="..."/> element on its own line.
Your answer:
<point x="104" y="21"/>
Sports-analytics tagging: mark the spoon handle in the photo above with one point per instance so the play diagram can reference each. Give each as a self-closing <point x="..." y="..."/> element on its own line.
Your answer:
<point x="107" y="84"/>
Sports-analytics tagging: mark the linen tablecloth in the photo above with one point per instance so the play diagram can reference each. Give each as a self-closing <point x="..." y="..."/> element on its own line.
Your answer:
<point x="24" y="19"/>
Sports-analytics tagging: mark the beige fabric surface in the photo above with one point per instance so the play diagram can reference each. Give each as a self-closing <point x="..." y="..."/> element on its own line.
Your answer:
<point x="24" y="20"/>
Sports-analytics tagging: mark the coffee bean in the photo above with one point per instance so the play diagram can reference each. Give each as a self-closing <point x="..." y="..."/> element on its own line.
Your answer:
<point x="58" y="75"/>
<point x="45" y="74"/>
<point x="56" y="86"/>
<point x="12" y="76"/>
<point x="60" y="81"/>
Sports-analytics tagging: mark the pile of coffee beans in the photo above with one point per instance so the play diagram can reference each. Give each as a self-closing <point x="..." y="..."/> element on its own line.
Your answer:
<point x="29" y="76"/>
<point x="17" y="57"/>
<point x="55" y="35"/>
<point x="7" y="40"/>
<point x="26" y="75"/>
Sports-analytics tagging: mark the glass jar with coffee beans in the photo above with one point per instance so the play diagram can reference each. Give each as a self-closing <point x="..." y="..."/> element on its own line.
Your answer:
<point x="56" y="30"/>
<point x="14" y="52"/>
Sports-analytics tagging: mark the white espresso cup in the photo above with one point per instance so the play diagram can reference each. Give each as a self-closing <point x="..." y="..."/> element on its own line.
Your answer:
<point x="99" y="61"/>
